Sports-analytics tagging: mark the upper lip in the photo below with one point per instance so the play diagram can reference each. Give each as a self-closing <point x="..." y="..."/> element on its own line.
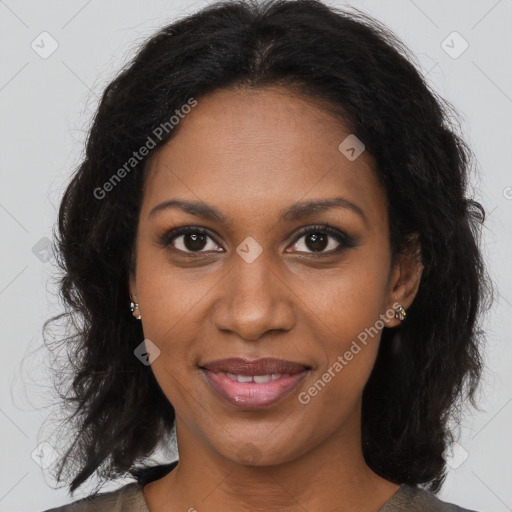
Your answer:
<point x="263" y="366"/>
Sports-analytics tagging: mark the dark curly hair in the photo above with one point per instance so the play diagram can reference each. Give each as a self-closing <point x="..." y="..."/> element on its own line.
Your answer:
<point x="426" y="368"/>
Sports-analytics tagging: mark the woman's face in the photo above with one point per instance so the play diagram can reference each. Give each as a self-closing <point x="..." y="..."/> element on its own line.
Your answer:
<point x="247" y="283"/>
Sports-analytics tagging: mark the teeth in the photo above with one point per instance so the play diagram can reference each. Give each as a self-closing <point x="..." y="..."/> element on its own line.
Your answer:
<point x="244" y="378"/>
<point x="258" y="379"/>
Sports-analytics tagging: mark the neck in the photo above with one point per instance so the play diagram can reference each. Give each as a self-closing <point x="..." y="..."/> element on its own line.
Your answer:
<point x="332" y="476"/>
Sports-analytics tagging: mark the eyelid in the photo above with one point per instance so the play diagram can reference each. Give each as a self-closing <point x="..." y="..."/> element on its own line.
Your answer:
<point x="168" y="236"/>
<point x="344" y="241"/>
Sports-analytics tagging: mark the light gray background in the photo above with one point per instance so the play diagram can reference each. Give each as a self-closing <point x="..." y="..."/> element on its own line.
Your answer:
<point x="46" y="106"/>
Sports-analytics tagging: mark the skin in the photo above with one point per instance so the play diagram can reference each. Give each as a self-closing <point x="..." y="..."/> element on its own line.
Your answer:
<point x="252" y="154"/>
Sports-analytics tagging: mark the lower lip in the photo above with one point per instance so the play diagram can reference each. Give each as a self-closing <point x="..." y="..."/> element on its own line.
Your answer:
<point x="251" y="395"/>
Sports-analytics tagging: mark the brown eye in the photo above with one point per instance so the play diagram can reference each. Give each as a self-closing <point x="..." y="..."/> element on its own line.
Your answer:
<point x="322" y="239"/>
<point x="316" y="241"/>
<point x="194" y="241"/>
<point x="190" y="240"/>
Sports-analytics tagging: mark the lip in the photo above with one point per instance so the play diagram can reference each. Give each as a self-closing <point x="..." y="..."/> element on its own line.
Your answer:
<point x="252" y="395"/>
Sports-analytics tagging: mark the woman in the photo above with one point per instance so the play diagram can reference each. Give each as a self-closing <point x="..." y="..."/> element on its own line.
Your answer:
<point x="268" y="247"/>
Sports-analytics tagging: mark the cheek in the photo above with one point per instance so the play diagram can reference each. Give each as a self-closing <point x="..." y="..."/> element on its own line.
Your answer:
<point x="170" y="296"/>
<point x="348" y="341"/>
<point x="345" y="310"/>
<point x="171" y="309"/>
<point x="347" y="300"/>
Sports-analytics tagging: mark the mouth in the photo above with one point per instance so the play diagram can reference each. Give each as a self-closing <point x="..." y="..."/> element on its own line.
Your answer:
<point x="253" y="384"/>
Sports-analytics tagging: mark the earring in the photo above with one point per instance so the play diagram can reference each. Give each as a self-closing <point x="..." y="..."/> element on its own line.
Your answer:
<point x="135" y="307"/>
<point x="400" y="313"/>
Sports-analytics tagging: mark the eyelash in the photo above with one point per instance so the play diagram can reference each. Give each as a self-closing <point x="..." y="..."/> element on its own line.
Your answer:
<point x="345" y="241"/>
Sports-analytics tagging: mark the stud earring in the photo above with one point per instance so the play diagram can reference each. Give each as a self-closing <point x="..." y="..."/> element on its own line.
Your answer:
<point x="400" y="313"/>
<point x="134" y="307"/>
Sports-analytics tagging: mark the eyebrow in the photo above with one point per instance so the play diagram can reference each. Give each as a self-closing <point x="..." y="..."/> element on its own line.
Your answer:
<point x="295" y="212"/>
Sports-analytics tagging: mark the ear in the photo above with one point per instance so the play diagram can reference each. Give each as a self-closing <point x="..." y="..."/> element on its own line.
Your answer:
<point x="405" y="277"/>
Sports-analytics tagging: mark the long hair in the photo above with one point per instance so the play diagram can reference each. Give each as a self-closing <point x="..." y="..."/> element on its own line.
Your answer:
<point x="362" y="73"/>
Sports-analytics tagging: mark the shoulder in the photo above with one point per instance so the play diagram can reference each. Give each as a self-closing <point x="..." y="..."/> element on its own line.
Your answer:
<point x="129" y="498"/>
<point x="413" y="499"/>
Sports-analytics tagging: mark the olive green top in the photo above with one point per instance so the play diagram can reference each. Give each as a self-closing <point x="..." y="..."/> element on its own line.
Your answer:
<point x="130" y="498"/>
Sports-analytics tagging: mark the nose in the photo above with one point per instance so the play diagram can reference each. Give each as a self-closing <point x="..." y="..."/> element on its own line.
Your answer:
<point x="254" y="300"/>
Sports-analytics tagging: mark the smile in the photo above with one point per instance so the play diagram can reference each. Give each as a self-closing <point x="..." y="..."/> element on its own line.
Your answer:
<point x="253" y="384"/>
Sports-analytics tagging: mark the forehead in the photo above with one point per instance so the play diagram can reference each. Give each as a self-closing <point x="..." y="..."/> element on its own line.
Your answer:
<point x="252" y="149"/>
